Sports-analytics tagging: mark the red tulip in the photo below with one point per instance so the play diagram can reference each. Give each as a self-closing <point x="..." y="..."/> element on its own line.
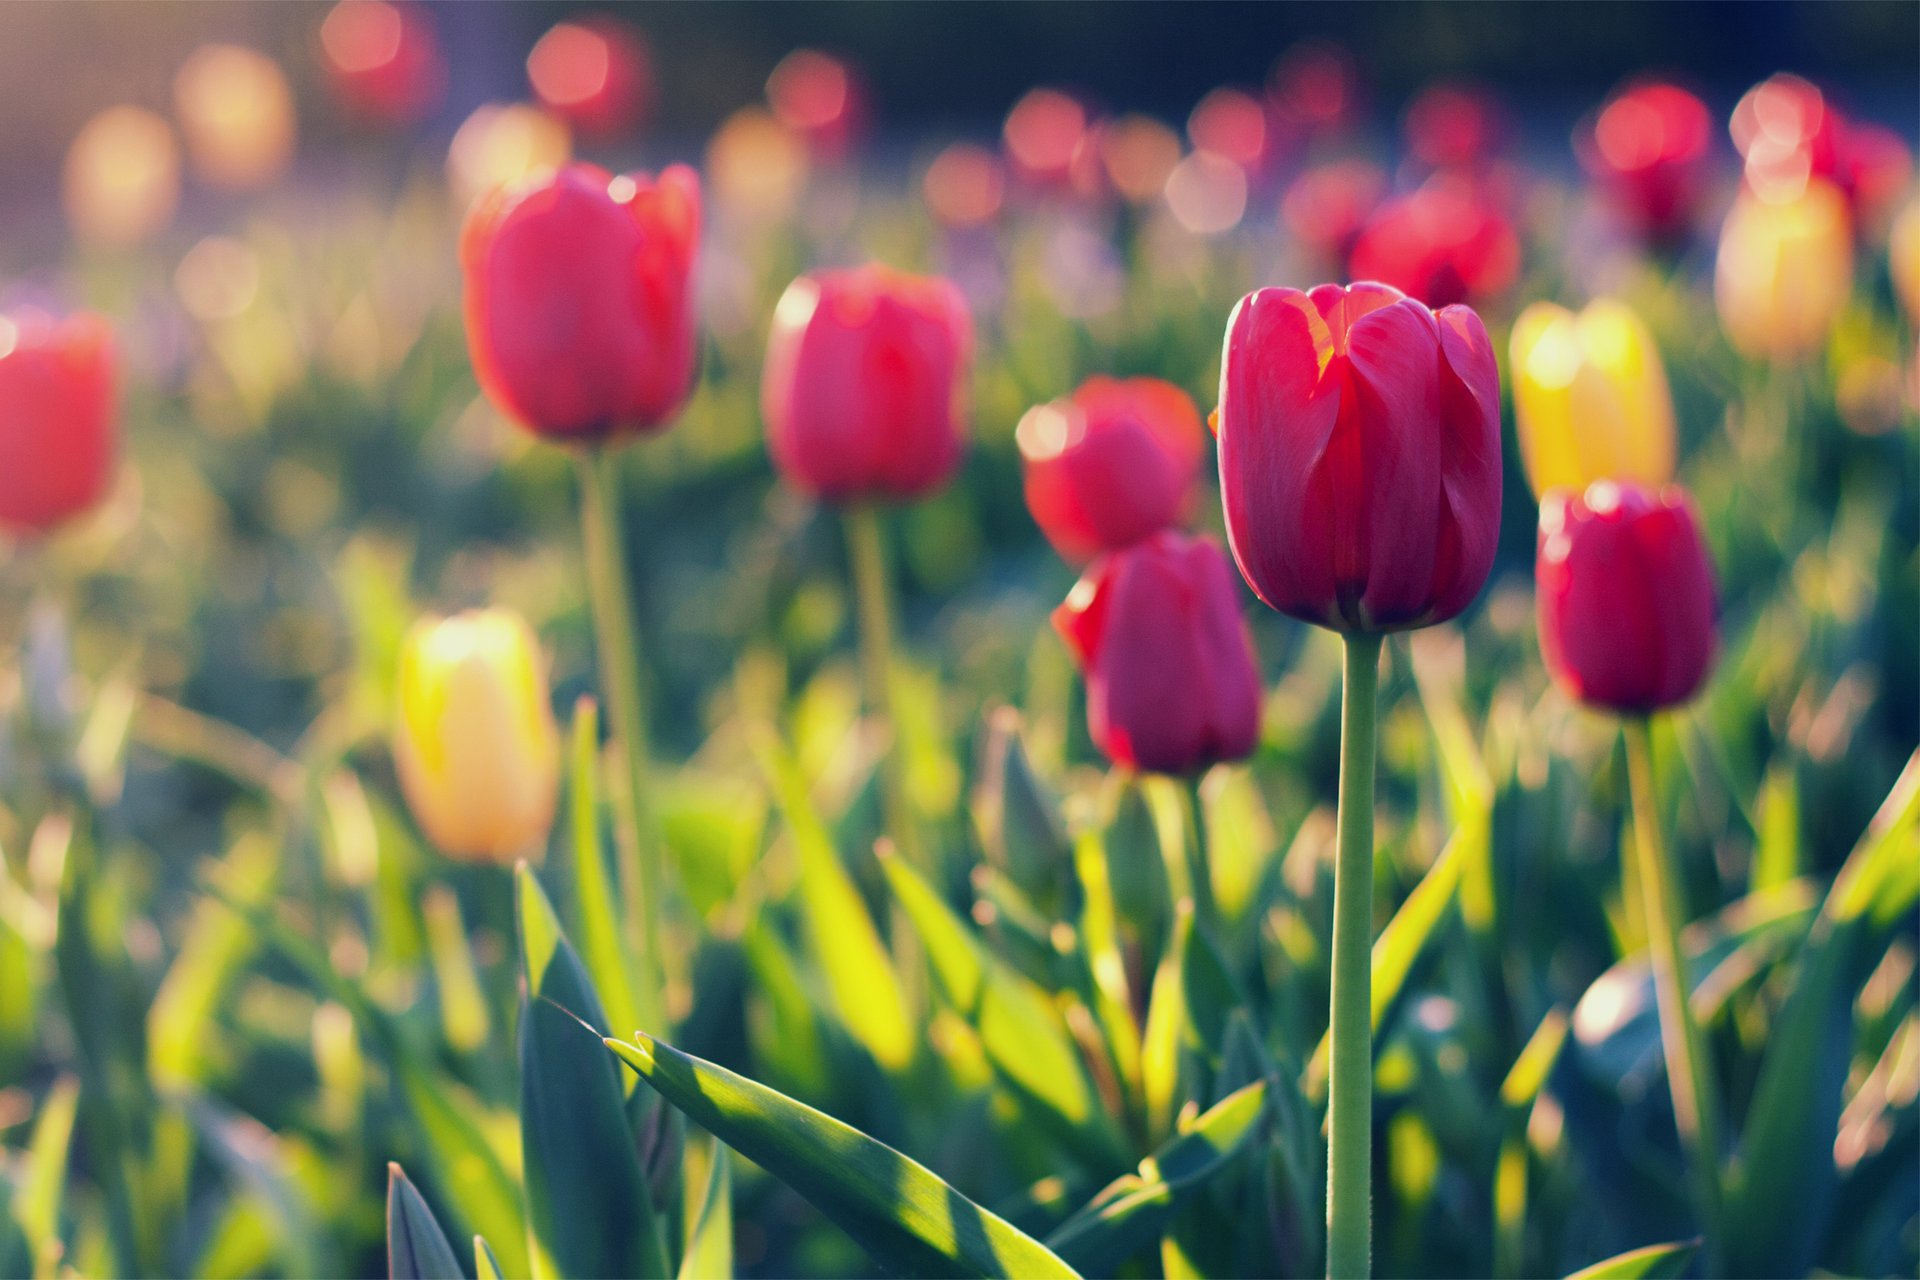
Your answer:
<point x="1359" y="455"/>
<point x="865" y="388"/>
<point x="1326" y="207"/>
<point x="57" y="423"/>
<point x="1112" y="464"/>
<point x="1455" y="126"/>
<point x="1625" y="595"/>
<point x="1649" y="150"/>
<point x="820" y="98"/>
<point x="579" y="299"/>
<point x="1157" y="631"/>
<point x="595" y="73"/>
<point x="1444" y="243"/>
<point x="383" y="59"/>
<point x="1787" y="132"/>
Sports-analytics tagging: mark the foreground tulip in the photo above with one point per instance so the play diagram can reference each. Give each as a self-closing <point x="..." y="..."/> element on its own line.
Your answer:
<point x="580" y="300"/>
<point x="865" y="388"/>
<point x="1360" y="472"/>
<point x="1110" y="465"/>
<point x="57" y="422"/>
<point x="1626" y="600"/>
<point x="474" y="741"/>
<point x="1590" y="397"/>
<point x="1157" y="631"/>
<point x="1784" y="272"/>
<point x="1649" y="149"/>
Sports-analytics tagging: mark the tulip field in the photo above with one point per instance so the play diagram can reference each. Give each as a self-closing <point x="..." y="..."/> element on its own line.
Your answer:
<point x="1322" y="683"/>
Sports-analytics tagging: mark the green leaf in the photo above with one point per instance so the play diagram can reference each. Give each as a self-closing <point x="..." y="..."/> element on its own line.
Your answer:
<point x="485" y="1265"/>
<point x="589" y="1210"/>
<point x="1132" y="1210"/>
<point x="1022" y="1034"/>
<point x="709" y="1250"/>
<point x="1017" y="817"/>
<point x="1193" y="996"/>
<point x="905" y="1216"/>
<point x="180" y="1042"/>
<point x="416" y="1247"/>
<point x="36" y="1204"/>
<point x="860" y="976"/>
<point x="1654" y="1262"/>
<point x="607" y="960"/>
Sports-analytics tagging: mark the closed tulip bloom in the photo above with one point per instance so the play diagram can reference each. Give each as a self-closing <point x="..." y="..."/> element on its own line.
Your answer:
<point x="1157" y="632"/>
<point x="1359" y="455"/>
<point x="1625" y="592"/>
<point x="1648" y="149"/>
<point x="1111" y="464"/>
<point x="57" y="418"/>
<point x="580" y="299"/>
<point x="475" y="742"/>
<point x="1590" y="397"/>
<point x="1784" y="272"/>
<point x="865" y="389"/>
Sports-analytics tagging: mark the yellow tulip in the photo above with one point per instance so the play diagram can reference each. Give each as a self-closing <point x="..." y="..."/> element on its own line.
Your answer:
<point x="1590" y="397"/>
<point x="122" y="177"/>
<point x="1904" y="253"/>
<point x="1785" y="271"/>
<point x="236" y="110"/>
<point x="475" y="741"/>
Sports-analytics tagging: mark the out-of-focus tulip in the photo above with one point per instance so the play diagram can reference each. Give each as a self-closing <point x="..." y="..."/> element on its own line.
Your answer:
<point x="122" y="177"/>
<point x="383" y="60"/>
<point x="1313" y="90"/>
<point x="580" y="300"/>
<point x="57" y="418"/>
<point x="1359" y="455"/>
<point x="1157" y="631"/>
<point x="474" y="740"/>
<point x="757" y="166"/>
<point x="1590" y="397"/>
<point x="1625" y="592"/>
<point x="1326" y="207"/>
<point x="501" y="143"/>
<point x="237" y="113"/>
<point x="1784" y="272"/>
<point x="1453" y="126"/>
<point x="1648" y="149"/>
<point x="964" y="186"/>
<point x="1903" y="258"/>
<point x="865" y="390"/>
<point x="1207" y="193"/>
<point x="1787" y="132"/>
<point x="1044" y="132"/>
<point x="820" y="98"/>
<point x="1111" y="464"/>
<point x="1443" y="243"/>
<point x="596" y="74"/>
<point x="1231" y="124"/>
<point x="1876" y="170"/>
<point x="1138" y="153"/>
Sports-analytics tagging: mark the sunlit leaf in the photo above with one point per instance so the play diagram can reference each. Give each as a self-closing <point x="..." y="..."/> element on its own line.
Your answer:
<point x="416" y="1247"/>
<point x="1654" y="1262"/>
<point x="708" y="1254"/>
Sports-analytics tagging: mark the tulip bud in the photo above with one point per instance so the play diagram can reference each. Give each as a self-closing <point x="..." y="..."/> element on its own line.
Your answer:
<point x="1112" y="464"/>
<point x="580" y="300"/>
<point x="1648" y="149"/>
<point x="1157" y="631"/>
<point x="1625" y="593"/>
<point x="1784" y="272"/>
<point x="865" y="389"/>
<point x="57" y="420"/>
<point x="1359" y="455"/>
<point x="1590" y="397"/>
<point x="475" y="742"/>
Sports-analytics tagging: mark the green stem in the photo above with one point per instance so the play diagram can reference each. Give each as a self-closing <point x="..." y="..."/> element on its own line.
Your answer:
<point x="1695" y="1106"/>
<point x="866" y="547"/>
<point x="1350" y="1085"/>
<point x="640" y="854"/>
<point x="1206" y="913"/>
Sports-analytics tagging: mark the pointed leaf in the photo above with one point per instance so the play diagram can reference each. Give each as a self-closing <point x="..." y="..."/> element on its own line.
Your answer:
<point x="1654" y="1262"/>
<point x="416" y="1247"/>
<point x="709" y="1251"/>
<point x="485" y="1265"/>
<point x="594" y="896"/>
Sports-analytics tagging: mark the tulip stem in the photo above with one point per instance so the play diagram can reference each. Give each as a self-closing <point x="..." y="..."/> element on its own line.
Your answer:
<point x="616" y="638"/>
<point x="873" y="593"/>
<point x="1695" y="1106"/>
<point x="1350" y="1084"/>
<point x="1199" y="865"/>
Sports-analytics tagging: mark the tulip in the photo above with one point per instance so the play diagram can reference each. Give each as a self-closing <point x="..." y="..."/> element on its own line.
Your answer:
<point x="1903" y="253"/>
<point x="865" y="388"/>
<point x="580" y="301"/>
<point x="1110" y="465"/>
<point x="1045" y="133"/>
<point x="819" y="97"/>
<point x="57" y="419"/>
<point x="1455" y="126"/>
<point x="1327" y="207"/>
<point x="1171" y="683"/>
<point x="383" y="60"/>
<point x="236" y="110"/>
<point x="1787" y="132"/>
<point x="594" y="73"/>
<point x="1784" y="272"/>
<point x="1648" y="148"/>
<point x="1359" y="455"/>
<point x="121" y="180"/>
<point x="1444" y="243"/>
<point x="1625" y="594"/>
<point x="474" y="741"/>
<point x="1590" y="396"/>
<point x="1360" y="473"/>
